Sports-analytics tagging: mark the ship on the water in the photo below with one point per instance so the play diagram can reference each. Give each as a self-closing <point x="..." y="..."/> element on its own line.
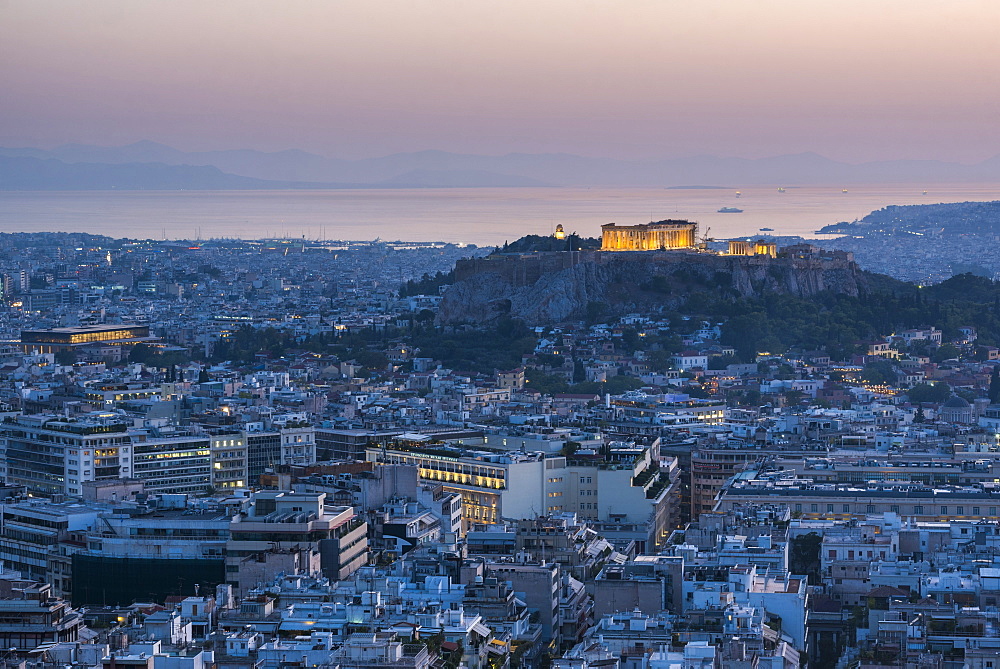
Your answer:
<point x="730" y="210"/>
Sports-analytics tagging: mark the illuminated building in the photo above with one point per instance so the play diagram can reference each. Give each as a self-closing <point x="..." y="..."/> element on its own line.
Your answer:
<point x="757" y="248"/>
<point x="52" y="455"/>
<point x="108" y="394"/>
<point x="229" y="461"/>
<point x="173" y="465"/>
<point x="559" y="233"/>
<point x="483" y="479"/>
<point x="649" y="236"/>
<point x="620" y="492"/>
<point x="61" y="339"/>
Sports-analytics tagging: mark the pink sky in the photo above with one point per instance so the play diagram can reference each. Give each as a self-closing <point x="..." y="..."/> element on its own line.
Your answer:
<point x="854" y="80"/>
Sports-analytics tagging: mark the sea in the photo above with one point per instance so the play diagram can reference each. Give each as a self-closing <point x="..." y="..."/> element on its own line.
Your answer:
<point x="480" y="216"/>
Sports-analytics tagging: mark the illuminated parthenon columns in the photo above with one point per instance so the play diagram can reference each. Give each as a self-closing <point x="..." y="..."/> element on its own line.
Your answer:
<point x="649" y="236"/>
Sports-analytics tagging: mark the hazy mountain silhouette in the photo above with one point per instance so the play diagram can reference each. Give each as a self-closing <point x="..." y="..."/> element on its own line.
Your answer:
<point x="443" y="169"/>
<point x="458" y="179"/>
<point x="28" y="173"/>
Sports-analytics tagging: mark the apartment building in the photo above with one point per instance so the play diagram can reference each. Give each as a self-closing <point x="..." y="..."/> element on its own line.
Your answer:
<point x="331" y="538"/>
<point x="55" y="455"/>
<point x="230" y="464"/>
<point x="622" y="485"/>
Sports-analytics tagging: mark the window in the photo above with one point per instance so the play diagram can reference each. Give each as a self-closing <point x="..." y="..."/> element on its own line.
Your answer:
<point x="975" y="511"/>
<point x="918" y="510"/>
<point x="944" y="511"/>
<point x="814" y="508"/>
<point x="798" y="507"/>
<point x="847" y="508"/>
<point x="829" y="508"/>
<point x="960" y="511"/>
<point x="871" y="508"/>
<point x="993" y="511"/>
<point x="894" y="508"/>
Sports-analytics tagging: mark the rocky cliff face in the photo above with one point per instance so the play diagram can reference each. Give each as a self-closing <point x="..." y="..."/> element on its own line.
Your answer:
<point x="549" y="288"/>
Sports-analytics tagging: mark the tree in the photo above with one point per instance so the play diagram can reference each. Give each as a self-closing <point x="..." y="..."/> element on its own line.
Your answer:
<point x="65" y="357"/>
<point x="141" y="353"/>
<point x="945" y="352"/>
<point x="803" y="558"/>
<point x="880" y="371"/>
<point x="751" y="397"/>
<point x="994" y="391"/>
<point x="793" y="397"/>
<point x="569" y="448"/>
<point x="925" y="392"/>
<point x="785" y="372"/>
<point x="203" y="376"/>
<point x="919" y="417"/>
<point x="660" y="360"/>
<point x="596" y="312"/>
<point x="630" y="340"/>
<point x="722" y="361"/>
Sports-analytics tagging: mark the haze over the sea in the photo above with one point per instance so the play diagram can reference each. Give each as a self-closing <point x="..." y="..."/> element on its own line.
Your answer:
<point x="482" y="216"/>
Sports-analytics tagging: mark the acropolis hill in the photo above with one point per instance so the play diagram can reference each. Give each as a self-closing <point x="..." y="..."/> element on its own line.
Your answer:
<point x="549" y="287"/>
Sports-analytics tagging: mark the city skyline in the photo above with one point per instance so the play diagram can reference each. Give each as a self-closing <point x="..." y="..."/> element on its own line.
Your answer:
<point x="851" y="81"/>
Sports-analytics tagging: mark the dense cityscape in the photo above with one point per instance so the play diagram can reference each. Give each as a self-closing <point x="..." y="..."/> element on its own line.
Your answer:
<point x="499" y="335"/>
<point x="274" y="454"/>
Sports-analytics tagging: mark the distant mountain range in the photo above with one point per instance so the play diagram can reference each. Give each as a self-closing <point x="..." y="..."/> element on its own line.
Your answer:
<point x="149" y="165"/>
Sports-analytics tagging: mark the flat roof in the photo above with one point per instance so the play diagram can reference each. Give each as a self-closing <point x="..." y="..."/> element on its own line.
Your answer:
<point x="86" y="329"/>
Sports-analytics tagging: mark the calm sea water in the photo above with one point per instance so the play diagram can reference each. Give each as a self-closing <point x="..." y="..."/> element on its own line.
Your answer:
<point x="483" y="216"/>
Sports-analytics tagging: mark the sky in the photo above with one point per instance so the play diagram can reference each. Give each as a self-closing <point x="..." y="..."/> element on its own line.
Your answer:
<point x="853" y="80"/>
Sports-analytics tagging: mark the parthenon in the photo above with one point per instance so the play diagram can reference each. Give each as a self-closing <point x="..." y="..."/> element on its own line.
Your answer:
<point x="649" y="236"/>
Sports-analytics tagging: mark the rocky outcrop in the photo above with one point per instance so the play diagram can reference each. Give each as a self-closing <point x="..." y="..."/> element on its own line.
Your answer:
<point x="549" y="288"/>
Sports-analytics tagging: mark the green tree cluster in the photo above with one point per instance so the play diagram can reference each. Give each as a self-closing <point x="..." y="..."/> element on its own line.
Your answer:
<point x="837" y="322"/>
<point x="499" y="347"/>
<point x="926" y="392"/>
<point x="428" y="284"/>
<point x="247" y="341"/>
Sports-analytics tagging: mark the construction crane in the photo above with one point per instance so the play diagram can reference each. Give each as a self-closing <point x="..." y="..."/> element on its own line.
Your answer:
<point x="705" y="240"/>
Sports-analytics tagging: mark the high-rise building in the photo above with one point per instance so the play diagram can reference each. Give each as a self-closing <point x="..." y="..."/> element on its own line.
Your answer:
<point x="53" y="455"/>
<point x="624" y="487"/>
